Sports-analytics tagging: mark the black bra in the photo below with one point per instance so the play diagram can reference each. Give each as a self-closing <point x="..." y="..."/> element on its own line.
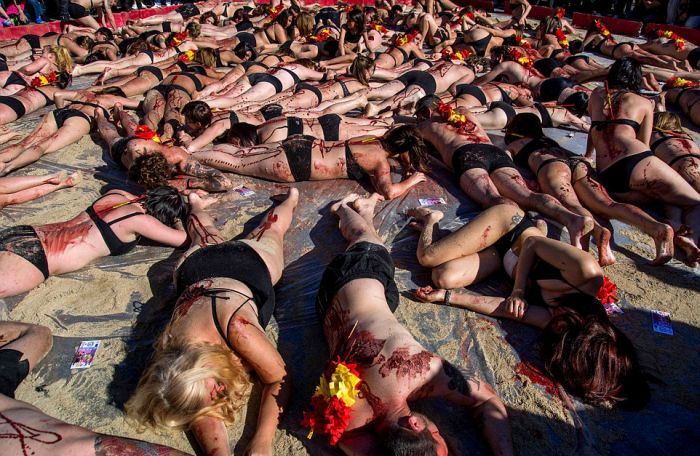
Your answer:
<point x="602" y="124"/>
<point x="115" y="245"/>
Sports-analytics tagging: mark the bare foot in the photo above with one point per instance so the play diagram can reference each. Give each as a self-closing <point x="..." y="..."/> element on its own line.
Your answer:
<point x="199" y="203"/>
<point x="56" y="178"/>
<point x="344" y="202"/>
<point x="293" y="196"/>
<point x="602" y="240"/>
<point x="371" y="110"/>
<point x="692" y="253"/>
<point x="428" y="294"/>
<point x="103" y="77"/>
<point x="423" y="214"/>
<point x="663" y="239"/>
<point x="578" y="227"/>
<point x="365" y="206"/>
<point x="72" y="179"/>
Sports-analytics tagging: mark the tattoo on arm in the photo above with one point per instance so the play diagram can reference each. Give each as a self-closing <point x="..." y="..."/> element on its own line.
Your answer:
<point x="108" y="445"/>
<point x="459" y="379"/>
<point x="196" y="169"/>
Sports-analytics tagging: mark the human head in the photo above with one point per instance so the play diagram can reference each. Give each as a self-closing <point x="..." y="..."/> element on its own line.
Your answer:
<point x="242" y="134"/>
<point x="355" y="21"/>
<point x="186" y="381"/>
<point x="85" y="42"/>
<point x="575" y="46"/>
<point x="667" y="121"/>
<point x="329" y="50"/>
<point x="197" y="116"/>
<point x="499" y="54"/>
<point x="151" y="170"/>
<point x="625" y="73"/>
<point x="577" y="103"/>
<point x="426" y="106"/>
<point x="240" y="15"/>
<point x="205" y="57"/>
<point x="478" y="64"/>
<point x="525" y="125"/>
<point x="362" y="69"/>
<point x="550" y="24"/>
<point x="209" y="18"/>
<point x="166" y="204"/>
<point x="413" y="435"/>
<point x="590" y="357"/>
<point x="61" y="57"/>
<point x="284" y="18"/>
<point x="136" y="47"/>
<point x="244" y="51"/>
<point x="104" y="34"/>
<point x="405" y="139"/>
<point x="305" y="24"/>
<point x="193" y="29"/>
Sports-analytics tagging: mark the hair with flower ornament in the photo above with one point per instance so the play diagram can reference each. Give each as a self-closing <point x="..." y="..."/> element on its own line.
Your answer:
<point x="452" y="117"/>
<point x="459" y="55"/>
<point x="406" y="38"/>
<point x="679" y="83"/>
<point x="144" y="132"/>
<point x="186" y="57"/>
<point x="379" y="27"/>
<point x="562" y="39"/>
<point x="522" y="42"/>
<point x="45" y="79"/>
<point x="272" y="15"/>
<point x="177" y="38"/>
<point x="517" y="56"/>
<point x="321" y="36"/>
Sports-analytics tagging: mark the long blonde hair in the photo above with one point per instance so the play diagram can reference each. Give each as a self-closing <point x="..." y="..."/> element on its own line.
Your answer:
<point x="667" y="122"/>
<point x="172" y="392"/>
<point x="64" y="61"/>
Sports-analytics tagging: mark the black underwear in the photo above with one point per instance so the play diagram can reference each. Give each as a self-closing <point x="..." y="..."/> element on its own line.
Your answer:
<point x="32" y="40"/>
<point x="602" y="124"/>
<point x="63" y="114"/>
<point x="298" y="152"/>
<point x="544" y="114"/>
<point x="481" y="45"/>
<point x="546" y="66"/>
<point x="15" y="79"/>
<point x="594" y="48"/>
<point x="257" y="78"/>
<point x="14" y="104"/>
<point x="77" y="11"/>
<point x="330" y="123"/>
<point x="295" y="126"/>
<point x="572" y="58"/>
<point x="522" y="158"/>
<point x="188" y="10"/>
<point x="344" y="87"/>
<point x="572" y="161"/>
<point x="233" y="118"/>
<point x="353" y="169"/>
<point x="420" y="78"/>
<point x="250" y="64"/>
<point x="618" y="45"/>
<point x="616" y="177"/>
<point x="404" y="54"/>
<point x="233" y="260"/>
<point x="556" y="52"/>
<point x="167" y="27"/>
<point x="294" y="76"/>
<point x="13" y="370"/>
<point x="198" y="86"/>
<point x="426" y="61"/>
<point x="474" y="91"/>
<point x="311" y="88"/>
<point x="155" y="71"/>
<point x="504" y="96"/>
<point x="364" y="260"/>
<point x="551" y="89"/>
<point x="505" y="107"/>
<point x="682" y="157"/>
<point x="271" y="111"/>
<point x="94" y="105"/>
<point x="23" y="241"/>
<point x="507" y="240"/>
<point x="481" y="156"/>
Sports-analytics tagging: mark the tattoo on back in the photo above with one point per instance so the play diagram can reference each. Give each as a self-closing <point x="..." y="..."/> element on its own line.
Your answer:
<point x="459" y="378"/>
<point x="108" y="445"/>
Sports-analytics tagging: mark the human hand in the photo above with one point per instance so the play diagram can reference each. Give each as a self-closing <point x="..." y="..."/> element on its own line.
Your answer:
<point x="417" y="178"/>
<point x="516" y="305"/>
<point x="428" y="294"/>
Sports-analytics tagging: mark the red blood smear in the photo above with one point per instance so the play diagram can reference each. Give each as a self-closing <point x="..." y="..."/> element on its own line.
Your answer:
<point x="538" y="377"/>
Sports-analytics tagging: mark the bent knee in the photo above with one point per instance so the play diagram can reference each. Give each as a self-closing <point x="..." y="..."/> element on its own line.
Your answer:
<point x="444" y="277"/>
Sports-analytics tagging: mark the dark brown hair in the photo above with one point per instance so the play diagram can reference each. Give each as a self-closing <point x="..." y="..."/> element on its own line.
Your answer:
<point x="197" y="111"/>
<point x="151" y="170"/>
<point x="405" y="138"/>
<point x="399" y="441"/>
<point x="359" y="67"/>
<point x="593" y="359"/>
<point x="242" y="134"/>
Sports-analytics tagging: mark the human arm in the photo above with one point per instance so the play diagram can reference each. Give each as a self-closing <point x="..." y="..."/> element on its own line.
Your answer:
<point x="151" y="228"/>
<point x="253" y="345"/>
<point x="107" y="7"/>
<point x="589" y="148"/>
<point x="33" y="341"/>
<point x="341" y="42"/>
<point x="491" y="75"/>
<point x="34" y="67"/>
<point x="216" y="181"/>
<point x="208" y="136"/>
<point x="211" y="436"/>
<point x="381" y="180"/>
<point x="463" y="388"/>
<point x="111" y="445"/>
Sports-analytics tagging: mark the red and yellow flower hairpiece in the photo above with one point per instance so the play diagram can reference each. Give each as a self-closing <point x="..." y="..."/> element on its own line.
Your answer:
<point x="522" y="42"/>
<point x="679" y="42"/>
<point x="178" y="38"/>
<point x="186" y="57"/>
<point x="405" y="38"/>
<point x="680" y="83"/>
<point x="44" y="79"/>
<point x="462" y="55"/>
<point x="607" y="293"/>
<point x="274" y="12"/>
<point x="519" y="57"/>
<point x="603" y="30"/>
<point x="144" y="132"/>
<point x="561" y="37"/>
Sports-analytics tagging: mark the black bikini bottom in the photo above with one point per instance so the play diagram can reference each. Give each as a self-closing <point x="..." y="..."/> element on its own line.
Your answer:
<point x="298" y="152"/>
<point x="14" y="104"/>
<point x="420" y="78"/>
<point x="482" y="156"/>
<point x="468" y="89"/>
<point x="330" y="123"/>
<point x="63" y="114"/>
<point x="77" y="11"/>
<point x="23" y="241"/>
<point x="616" y="177"/>
<point x="507" y="240"/>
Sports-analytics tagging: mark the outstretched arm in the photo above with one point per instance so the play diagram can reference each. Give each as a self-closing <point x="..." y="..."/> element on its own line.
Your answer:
<point x="381" y="179"/>
<point x="461" y="387"/>
<point x="216" y="181"/>
<point x="490" y="76"/>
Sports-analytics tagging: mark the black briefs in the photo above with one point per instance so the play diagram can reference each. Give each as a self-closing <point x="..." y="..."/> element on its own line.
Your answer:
<point x="306" y="86"/>
<point x="544" y="114"/>
<point x="507" y="240"/>
<point x="546" y="66"/>
<point x="426" y="61"/>
<point x="616" y="177"/>
<point x="522" y="158"/>
<point x="13" y="370"/>
<point x="595" y="48"/>
<point x="551" y="89"/>
<point x="257" y="78"/>
<point x="298" y="152"/>
<point x="233" y="118"/>
<point x="63" y="114"/>
<point x="271" y="111"/>
<point x="618" y="45"/>
<point x="295" y="126"/>
<point x="481" y="45"/>
<point x="14" y="104"/>
<point x="602" y="124"/>
<point x="572" y="58"/>
<point x="468" y="89"/>
<point x="32" y="40"/>
<point x="504" y="96"/>
<point x="233" y="260"/>
<point x="155" y="71"/>
<point x="198" y="86"/>
<point x="167" y="28"/>
<point x="15" y="79"/>
<point x="420" y="78"/>
<point x="556" y="52"/>
<point x="23" y="241"/>
<point x="364" y="260"/>
<point x="330" y="123"/>
<point x="247" y="65"/>
<point x="344" y="87"/>
<point x="77" y="11"/>
<point x="353" y="169"/>
<point x="482" y="156"/>
<point x="94" y="105"/>
<point x="505" y="107"/>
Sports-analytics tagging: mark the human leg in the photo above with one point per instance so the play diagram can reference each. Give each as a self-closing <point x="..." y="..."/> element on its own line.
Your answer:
<point x="357" y="225"/>
<point x="33" y="187"/>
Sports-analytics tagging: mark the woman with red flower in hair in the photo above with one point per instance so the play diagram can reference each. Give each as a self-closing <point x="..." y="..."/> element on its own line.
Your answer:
<point x="557" y="288"/>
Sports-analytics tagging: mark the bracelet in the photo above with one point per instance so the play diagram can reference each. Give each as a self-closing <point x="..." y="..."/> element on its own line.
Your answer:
<point x="448" y="295"/>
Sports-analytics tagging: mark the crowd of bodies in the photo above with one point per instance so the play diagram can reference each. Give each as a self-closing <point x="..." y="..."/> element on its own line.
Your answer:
<point x="290" y="93"/>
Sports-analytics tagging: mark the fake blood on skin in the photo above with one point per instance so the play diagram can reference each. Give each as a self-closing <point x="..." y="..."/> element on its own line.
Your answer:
<point x="538" y="377"/>
<point x="405" y="365"/>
